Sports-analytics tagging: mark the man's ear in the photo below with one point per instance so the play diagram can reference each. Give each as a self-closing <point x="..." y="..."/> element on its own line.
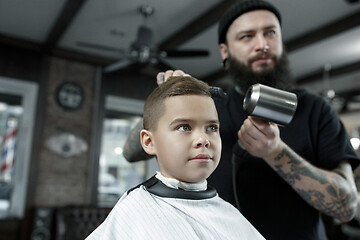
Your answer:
<point x="224" y="51"/>
<point x="147" y="142"/>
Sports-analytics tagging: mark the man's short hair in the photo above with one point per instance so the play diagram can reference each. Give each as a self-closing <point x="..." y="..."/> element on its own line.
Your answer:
<point x="239" y="8"/>
<point x="154" y="106"/>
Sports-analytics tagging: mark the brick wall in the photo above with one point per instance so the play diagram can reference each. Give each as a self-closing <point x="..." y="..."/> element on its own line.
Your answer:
<point x="62" y="180"/>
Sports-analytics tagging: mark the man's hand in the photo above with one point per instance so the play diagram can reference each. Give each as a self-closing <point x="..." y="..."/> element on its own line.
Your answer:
<point x="331" y="192"/>
<point x="260" y="138"/>
<point x="162" y="77"/>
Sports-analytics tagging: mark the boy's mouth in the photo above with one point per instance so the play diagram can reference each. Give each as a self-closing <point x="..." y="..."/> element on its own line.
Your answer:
<point x="202" y="158"/>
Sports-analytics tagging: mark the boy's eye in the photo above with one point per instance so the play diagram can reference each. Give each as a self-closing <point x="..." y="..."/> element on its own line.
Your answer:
<point x="213" y="128"/>
<point x="184" y="128"/>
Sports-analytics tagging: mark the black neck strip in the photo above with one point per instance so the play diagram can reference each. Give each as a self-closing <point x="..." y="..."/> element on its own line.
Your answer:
<point x="156" y="187"/>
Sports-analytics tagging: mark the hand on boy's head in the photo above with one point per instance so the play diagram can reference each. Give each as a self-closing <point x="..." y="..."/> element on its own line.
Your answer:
<point x="162" y="77"/>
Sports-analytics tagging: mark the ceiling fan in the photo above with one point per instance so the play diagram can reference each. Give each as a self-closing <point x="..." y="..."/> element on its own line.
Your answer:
<point x="142" y="50"/>
<point x="341" y="102"/>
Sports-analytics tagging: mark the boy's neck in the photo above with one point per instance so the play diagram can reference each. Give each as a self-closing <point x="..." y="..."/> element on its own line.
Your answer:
<point x="174" y="183"/>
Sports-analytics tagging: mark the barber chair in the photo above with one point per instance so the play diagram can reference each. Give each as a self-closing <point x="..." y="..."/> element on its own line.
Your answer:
<point x="77" y="222"/>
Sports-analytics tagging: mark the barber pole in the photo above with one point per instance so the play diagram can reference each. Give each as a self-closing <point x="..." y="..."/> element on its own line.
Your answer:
<point x="7" y="157"/>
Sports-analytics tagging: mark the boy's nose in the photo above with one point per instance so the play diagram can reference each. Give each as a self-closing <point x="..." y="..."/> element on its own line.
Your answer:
<point x="202" y="142"/>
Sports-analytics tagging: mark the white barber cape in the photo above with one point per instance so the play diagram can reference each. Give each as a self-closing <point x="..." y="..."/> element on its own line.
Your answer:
<point x="156" y="211"/>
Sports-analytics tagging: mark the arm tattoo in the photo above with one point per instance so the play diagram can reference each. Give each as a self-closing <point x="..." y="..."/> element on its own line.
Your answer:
<point x="293" y="169"/>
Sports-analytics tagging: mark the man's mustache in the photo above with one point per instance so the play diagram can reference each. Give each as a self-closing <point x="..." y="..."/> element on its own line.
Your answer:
<point x="262" y="55"/>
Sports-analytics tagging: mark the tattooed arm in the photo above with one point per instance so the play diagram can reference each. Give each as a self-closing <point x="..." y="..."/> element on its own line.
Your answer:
<point x="331" y="192"/>
<point x="133" y="150"/>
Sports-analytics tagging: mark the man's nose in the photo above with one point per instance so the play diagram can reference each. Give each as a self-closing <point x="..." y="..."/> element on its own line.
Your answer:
<point x="261" y="44"/>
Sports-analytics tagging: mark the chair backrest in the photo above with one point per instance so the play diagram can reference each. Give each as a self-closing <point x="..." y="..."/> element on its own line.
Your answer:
<point x="77" y="222"/>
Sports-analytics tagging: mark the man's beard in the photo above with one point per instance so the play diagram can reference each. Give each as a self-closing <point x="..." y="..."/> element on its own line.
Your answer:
<point x="278" y="77"/>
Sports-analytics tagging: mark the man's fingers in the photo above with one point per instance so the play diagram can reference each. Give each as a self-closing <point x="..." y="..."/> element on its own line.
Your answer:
<point x="168" y="74"/>
<point x="258" y="121"/>
<point x="179" y="73"/>
<point x="162" y="77"/>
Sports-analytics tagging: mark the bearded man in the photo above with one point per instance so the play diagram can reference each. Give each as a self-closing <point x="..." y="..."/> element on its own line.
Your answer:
<point x="289" y="175"/>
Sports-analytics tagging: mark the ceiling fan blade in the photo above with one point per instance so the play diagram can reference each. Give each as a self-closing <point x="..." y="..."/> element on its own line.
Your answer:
<point x="100" y="47"/>
<point x="118" y="65"/>
<point x="184" y="53"/>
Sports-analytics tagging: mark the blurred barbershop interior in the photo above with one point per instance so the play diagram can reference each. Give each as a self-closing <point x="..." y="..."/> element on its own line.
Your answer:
<point x="74" y="76"/>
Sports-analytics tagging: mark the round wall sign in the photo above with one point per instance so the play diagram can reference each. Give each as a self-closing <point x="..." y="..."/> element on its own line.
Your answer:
<point x="70" y="95"/>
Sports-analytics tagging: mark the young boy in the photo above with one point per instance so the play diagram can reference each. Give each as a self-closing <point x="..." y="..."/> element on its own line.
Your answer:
<point x="181" y="128"/>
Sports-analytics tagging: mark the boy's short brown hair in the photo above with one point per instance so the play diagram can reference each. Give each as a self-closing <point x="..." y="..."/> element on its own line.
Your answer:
<point x="154" y="106"/>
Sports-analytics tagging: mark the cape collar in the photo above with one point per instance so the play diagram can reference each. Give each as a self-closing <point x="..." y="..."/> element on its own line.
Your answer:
<point x="156" y="187"/>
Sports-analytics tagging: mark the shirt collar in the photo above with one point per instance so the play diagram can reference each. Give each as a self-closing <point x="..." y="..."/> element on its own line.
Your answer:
<point x="174" y="183"/>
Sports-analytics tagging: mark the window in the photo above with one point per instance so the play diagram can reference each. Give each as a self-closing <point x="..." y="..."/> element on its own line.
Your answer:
<point x="116" y="174"/>
<point x="17" y="112"/>
<point x="10" y="116"/>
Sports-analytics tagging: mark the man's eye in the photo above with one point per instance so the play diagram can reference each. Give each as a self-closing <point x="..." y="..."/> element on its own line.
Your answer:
<point x="271" y="32"/>
<point x="183" y="128"/>
<point x="213" y="128"/>
<point x="244" y="37"/>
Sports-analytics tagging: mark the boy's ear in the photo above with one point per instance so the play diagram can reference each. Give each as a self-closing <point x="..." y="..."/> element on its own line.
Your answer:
<point x="147" y="142"/>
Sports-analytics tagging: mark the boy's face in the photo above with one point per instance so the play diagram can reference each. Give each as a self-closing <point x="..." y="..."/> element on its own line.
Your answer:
<point x="187" y="141"/>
